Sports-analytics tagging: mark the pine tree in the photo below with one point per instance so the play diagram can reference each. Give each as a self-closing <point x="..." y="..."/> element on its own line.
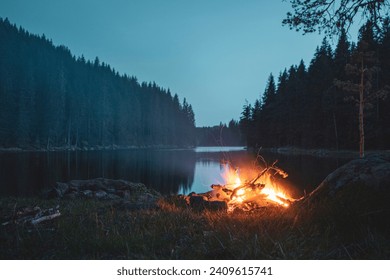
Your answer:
<point x="49" y="98"/>
<point x="270" y="91"/>
<point x="246" y="124"/>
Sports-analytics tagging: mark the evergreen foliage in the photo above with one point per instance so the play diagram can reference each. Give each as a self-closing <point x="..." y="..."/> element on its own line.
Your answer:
<point x="335" y="16"/>
<point x="49" y="98"/>
<point x="220" y="135"/>
<point x="308" y="107"/>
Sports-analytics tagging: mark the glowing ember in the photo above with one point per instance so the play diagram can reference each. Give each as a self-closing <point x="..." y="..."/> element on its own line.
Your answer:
<point x="275" y="196"/>
<point x="261" y="191"/>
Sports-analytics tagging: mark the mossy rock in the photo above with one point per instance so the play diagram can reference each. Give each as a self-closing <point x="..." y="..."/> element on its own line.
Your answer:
<point x="354" y="196"/>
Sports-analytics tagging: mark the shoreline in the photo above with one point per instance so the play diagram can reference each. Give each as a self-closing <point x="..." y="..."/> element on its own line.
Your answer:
<point x="88" y="149"/>
<point x="294" y="151"/>
<point x="323" y="153"/>
<point x="115" y="219"/>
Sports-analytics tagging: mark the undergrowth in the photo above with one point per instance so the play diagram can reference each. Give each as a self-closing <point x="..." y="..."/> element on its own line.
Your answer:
<point x="90" y="229"/>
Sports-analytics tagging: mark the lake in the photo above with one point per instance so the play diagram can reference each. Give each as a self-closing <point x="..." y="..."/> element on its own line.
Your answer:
<point x="170" y="171"/>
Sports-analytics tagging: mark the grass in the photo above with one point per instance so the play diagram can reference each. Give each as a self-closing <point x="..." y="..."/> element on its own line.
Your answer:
<point x="91" y="229"/>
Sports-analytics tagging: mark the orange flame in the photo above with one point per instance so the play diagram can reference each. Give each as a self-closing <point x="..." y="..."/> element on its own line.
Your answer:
<point x="262" y="191"/>
<point x="275" y="196"/>
<point x="231" y="177"/>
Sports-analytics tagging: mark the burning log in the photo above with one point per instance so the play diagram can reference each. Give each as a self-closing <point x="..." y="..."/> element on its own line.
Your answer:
<point x="247" y="189"/>
<point x="220" y="192"/>
<point x="261" y="191"/>
<point x="258" y="192"/>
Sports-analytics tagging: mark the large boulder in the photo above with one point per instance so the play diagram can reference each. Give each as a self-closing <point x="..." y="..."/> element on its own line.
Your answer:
<point x="355" y="197"/>
<point x="372" y="172"/>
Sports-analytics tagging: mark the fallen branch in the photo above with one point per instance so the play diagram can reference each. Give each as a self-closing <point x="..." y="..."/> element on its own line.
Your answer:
<point x="45" y="218"/>
<point x="33" y="215"/>
<point x="269" y="168"/>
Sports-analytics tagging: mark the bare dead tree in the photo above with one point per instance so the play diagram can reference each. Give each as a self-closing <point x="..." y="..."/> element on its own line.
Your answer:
<point x="364" y="66"/>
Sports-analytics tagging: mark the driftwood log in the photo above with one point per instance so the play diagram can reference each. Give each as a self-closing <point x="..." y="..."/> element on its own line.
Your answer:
<point x="33" y="215"/>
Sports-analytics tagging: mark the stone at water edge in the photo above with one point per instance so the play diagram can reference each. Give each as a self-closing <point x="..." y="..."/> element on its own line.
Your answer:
<point x="100" y="194"/>
<point x="354" y="198"/>
<point x="91" y="185"/>
<point x="104" y="189"/>
<point x="372" y="171"/>
<point x="61" y="188"/>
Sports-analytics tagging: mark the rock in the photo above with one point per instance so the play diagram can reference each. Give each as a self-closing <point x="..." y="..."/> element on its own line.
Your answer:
<point x="356" y="194"/>
<point x="110" y="190"/>
<point x="115" y="184"/>
<point x="100" y="194"/>
<point x="58" y="191"/>
<point x="125" y="194"/>
<point x="111" y="196"/>
<point x="87" y="193"/>
<point x="372" y="171"/>
<point x="72" y="195"/>
<point x="61" y="189"/>
<point x="200" y="202"/>
<point x="93" y="184"/>
<point x="105" y="189"/>
<point x="146" y="198"/>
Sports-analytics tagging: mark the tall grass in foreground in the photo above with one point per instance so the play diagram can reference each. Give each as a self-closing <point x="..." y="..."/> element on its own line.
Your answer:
<point x="336" y="228"/>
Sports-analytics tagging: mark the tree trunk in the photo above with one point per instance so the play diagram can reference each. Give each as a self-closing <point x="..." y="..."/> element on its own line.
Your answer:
<point x="48" y="143"/>
<point x="361" y="111"/>
<point x="361" y="128"/>
<point x="77" y="138"/>
<point x="335" y="131"/>
<point x="69" y="129"/>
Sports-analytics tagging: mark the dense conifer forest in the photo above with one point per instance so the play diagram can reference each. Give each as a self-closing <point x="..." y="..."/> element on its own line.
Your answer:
<point x="220" y="135"/>
<point x="49" y="98"/>
<point x="316" y="106"/>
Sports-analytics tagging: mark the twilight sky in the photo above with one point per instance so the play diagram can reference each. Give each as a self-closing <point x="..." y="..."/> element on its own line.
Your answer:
<point x="216" y="53"/>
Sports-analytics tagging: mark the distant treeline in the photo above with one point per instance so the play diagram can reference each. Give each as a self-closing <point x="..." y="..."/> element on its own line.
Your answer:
<point x="316" y="107"/>
<point x="50" y="98"/>
<point x="220" y="135"/>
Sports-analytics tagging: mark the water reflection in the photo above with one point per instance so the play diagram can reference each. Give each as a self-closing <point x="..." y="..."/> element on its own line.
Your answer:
<point x="25" y="174"/>
<point x="168" y="171"/>
<point x="305" y="172"/>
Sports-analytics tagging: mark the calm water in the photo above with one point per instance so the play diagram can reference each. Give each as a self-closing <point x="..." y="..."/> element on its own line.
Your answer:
<point x="169" y="171"/>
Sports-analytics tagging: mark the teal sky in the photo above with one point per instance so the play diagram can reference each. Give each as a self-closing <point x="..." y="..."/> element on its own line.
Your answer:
<point x="215" y="53"/>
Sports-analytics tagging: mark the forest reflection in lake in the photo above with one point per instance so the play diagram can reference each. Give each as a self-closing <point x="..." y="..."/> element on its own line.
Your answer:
<point x="168" y="171"/>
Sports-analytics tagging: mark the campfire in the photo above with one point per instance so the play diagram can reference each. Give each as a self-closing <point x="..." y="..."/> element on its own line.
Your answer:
<point x="250" y="188"/>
